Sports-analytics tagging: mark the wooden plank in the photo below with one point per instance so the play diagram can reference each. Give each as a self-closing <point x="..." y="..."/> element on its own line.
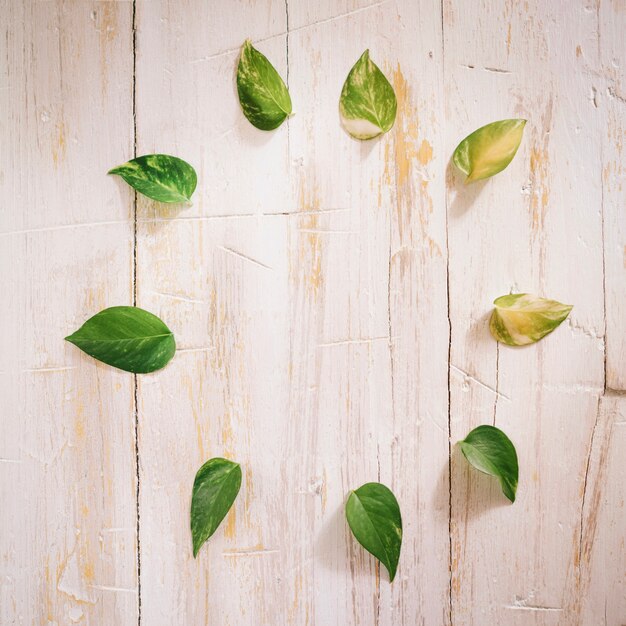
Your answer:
<point x="377" y="313"/>
<point x="602" y="578"/>
<point x="609" y="76"/>
<point x="602" y="546"/>
<point x="283" y="307"/>
<point x="221" y="285"/>
<point x="536" y="227"/>
<point x="66" y="453"/>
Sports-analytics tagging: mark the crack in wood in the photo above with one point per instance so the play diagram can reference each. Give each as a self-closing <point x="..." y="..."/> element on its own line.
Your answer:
<point x="135" y="379"/>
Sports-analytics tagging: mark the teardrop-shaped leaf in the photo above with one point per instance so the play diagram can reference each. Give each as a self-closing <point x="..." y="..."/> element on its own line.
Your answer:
<point x="215" y="488"/>
<point x="522" y="318"/>
<point x="263" y="94"/>
<point x="126" y="337"/>
<point x="489" y="149"/>
<point x="374" y="518"/>
<point x="368" y="103"/>
<point x="159" y="176"/>
<point x="490" y="451"/>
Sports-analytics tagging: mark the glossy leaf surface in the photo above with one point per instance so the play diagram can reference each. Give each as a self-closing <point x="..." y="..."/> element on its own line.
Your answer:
<point x="160" y="177"/>
<point x="263" y="95"/>
<point x="489" y="450"/>
<point x="489" y="149"/>
<point x="215" y="488"/>
<point x="128" y="338"/>
<point x="521" y="318"/>
<point x="374" y="518"/>
<point x="368" y="102"/>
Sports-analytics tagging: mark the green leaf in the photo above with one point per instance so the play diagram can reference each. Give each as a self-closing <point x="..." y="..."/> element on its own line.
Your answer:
<point x="489" y="149"/>
<point x="262" y="93"/>
<point x="126" y="337"/>
<point x="368" y="103"/>
<point x="374" y="518"/>
<point x="490" y="451"/>
<point x="215" y="488"/>
<point x="160" y="177"/>
<point x="521" y="318"/>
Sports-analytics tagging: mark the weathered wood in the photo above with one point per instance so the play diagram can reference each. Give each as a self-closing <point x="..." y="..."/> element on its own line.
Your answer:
<point x="608" y="77"/>
<point x="330" y="301"/>
<point x="67" y="472"/>
<point x="537" y="227"/>
<point x="217" y="273"/>
<point x="602" y="582"/>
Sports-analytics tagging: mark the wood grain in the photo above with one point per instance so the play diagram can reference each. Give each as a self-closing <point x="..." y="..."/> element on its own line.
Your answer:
<point x="330" y="301"/>
<point x="67" y="471"/>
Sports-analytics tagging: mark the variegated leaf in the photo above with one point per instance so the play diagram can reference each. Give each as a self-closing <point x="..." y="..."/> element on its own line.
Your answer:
<point x="489" y="149"/>
<point x="263" y="95"/>
<point x="520" y="319"/>
<point x="160" y="177"/>
<point x="368" y="103"/>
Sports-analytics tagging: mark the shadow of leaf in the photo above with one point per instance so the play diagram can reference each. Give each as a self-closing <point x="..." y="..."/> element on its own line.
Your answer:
<point x="463" y="196"/>
<point x="474" y="493"/>
<point x="331" y="545"/>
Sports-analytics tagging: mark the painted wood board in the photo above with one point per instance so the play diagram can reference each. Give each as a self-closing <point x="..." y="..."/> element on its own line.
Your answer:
<point x="67" y="460"/>
<point x="330" y="301"/>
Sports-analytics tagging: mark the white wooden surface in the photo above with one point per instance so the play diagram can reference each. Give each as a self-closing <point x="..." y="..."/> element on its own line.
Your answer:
<point x="330" y="301"/>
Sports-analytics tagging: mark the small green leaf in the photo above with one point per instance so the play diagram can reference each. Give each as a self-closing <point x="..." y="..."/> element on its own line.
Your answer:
<point x="215" y="488"/>
<point x="262" y="93"/>
<point x="159" y="176"/>
<point x="368" y="103"/>
<point x="128" y="338"/>
<point x="374" y="518"/>
<point x="490" y="451"/>
<point x="521" y="318"/>
<point x="489" y="149"/>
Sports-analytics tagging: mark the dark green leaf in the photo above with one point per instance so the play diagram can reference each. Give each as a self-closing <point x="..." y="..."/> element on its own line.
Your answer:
<point x="126" y="337"/>
<point x="489" y="450"/>
<point x="262" y="93"/>
<point x="374" y="517"/>
<point x="368" y="103"/>
<point x="160" y="177"/>
<point x="489" y="149"/>
<point x="215" y="488"/>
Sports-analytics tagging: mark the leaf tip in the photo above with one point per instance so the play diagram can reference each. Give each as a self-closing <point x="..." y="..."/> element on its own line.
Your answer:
<point x="196" y="547"/>
<point x="510" y="491"/>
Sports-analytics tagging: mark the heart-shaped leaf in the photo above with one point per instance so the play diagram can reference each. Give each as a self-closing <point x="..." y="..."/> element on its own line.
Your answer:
<point x="263" y="94"/>
<point x="161" y="177"/>
<point x="489" y="149"/>
<point x="374" y="518"/>
<point x="126" y="337"/>
<point x="368" y="103"/>
<point x="490" y="451"/>
<point x="215" y="488"/>
<point x="521" y="318"/>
